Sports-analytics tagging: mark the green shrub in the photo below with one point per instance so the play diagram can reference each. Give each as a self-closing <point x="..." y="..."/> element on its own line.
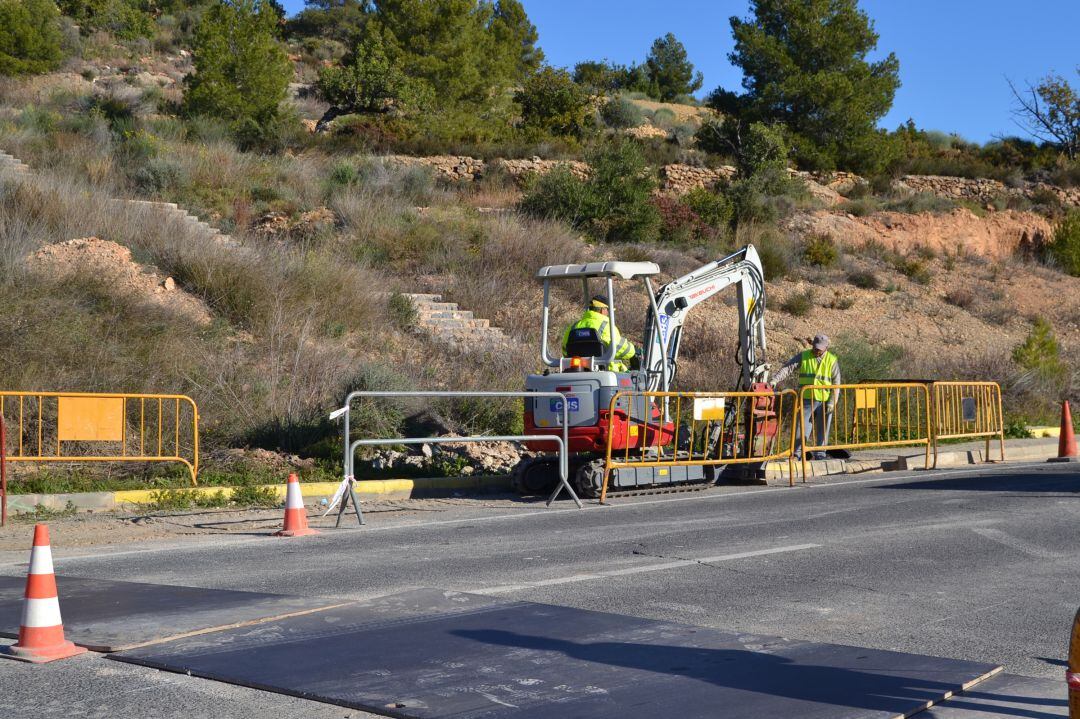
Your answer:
<point x="126" y="19"/>
<point x="921" y="202"/>
<point x="402" y="311"/>
<point x="1065" y="249"/>
<point x="1045" y="378"/>
<point x="820" y="250"/>
<point x="799" y="304"/>
<point x="714" y="209"/>
<point x="663" y="117"/>
<point x="862" y="361"/>
<point x="254" y="496"/>
<point x="1040" y="350"/>
<point x="620" y="187"/>
<point x="367" y="81"/>
<point x="557" y="195"/>
<point x="711" y="138"/>
<point x="157" y="176"/>
<point x="30" y="37"/>
<point x="620" y="113"/>
<point x="914" y="269"/>
<point x="864" y="280"/>
<point x="614" y="204"/>
<point x="859" y="207"/>
<point x="551" y="101"/>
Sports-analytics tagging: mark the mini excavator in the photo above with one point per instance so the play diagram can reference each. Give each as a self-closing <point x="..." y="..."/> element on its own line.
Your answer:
<point x="582" y="374"/>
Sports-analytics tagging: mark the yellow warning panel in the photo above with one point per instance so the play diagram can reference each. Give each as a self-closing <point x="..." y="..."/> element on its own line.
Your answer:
<point x="708" y="408"/>
<point x="866" y="398"/>
<point x="90" y="419"/>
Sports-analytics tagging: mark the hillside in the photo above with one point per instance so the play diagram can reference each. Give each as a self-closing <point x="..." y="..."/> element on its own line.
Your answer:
<point x="291" y="282"/>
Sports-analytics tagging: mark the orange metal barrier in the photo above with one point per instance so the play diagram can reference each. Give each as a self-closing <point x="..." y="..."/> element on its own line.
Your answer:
<point x="968" y="410"/>
<point x="871" y="415"/>
<point x="90" y="427"/>
<point x="700" y="428"/>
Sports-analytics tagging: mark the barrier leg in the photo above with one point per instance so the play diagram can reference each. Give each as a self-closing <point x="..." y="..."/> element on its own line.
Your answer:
<point x="350" y="494"/>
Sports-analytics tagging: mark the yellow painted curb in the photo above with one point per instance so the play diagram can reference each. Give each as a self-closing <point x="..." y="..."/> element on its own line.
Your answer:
<point x="380" y="487"/>
<point x="1044" y="431"/>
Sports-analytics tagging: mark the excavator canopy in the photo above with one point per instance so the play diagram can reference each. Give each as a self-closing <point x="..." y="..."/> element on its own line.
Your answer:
<point x="615" y="269"/>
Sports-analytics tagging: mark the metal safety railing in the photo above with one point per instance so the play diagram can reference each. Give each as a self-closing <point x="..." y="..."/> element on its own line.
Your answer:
<point x="101" y="427"/>
<point x="670" y="429"/>
<point x="350" y="445"/>
<point x="967" y="410"/>
<point x="864" y="416"/>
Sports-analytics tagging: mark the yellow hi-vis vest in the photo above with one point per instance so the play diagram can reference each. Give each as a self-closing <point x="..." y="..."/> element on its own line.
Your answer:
<point x="817" y="371"/>
<point x="608" y="334"/>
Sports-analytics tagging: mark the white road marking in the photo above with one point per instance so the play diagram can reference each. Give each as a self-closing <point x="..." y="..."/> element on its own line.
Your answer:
<point x="1020" y="545"/>
<point x="658" y="567"/>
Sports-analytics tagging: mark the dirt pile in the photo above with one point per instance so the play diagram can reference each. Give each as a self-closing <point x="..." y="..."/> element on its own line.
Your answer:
<point x="112" y="263"/>
<point x="997" y="236"/>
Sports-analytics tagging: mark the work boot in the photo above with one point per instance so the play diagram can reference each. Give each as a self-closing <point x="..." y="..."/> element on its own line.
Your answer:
<point x="818" y="456"/>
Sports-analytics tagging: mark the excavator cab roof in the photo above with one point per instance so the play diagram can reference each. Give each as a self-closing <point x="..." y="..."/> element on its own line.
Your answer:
<point x="614" y="269"/>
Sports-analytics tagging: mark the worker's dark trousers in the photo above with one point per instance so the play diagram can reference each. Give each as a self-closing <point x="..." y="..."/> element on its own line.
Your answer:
<point x="816" y="425"/>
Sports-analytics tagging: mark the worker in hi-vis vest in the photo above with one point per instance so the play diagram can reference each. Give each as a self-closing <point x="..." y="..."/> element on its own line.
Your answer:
<point x="817" y="367"/>
<point x="596" y="318"/>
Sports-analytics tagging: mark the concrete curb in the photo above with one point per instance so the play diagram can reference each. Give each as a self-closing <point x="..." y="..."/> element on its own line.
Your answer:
<point x="313" y="492"/>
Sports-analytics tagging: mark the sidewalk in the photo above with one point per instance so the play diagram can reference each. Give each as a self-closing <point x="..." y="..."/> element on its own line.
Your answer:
<point x="913" y="457"/>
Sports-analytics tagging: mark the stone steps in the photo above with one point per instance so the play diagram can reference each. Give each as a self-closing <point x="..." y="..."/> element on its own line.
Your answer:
<point x="172" y="211"/>
<point x="12" y="166"/>
<point x="446" y="321"/>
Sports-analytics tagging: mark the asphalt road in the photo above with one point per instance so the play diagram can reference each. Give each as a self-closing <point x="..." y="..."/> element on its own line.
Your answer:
<point x="972" y="564"/>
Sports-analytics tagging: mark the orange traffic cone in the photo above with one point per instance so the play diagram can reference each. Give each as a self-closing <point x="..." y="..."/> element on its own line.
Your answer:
<point x="1067" y="440"/>
<point x="41" y="632"/>
<point x="295" y="514"/>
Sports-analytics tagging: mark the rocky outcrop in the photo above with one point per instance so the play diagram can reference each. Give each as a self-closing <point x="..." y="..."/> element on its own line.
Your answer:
<point x="984" y="190"/>
<point x="449" y="167"/>
<point x="680" y="179"/>
<point x="998" y="235"/>
<point x="519" y="169"/>
<point x="462" y="168"/>
<point x="957" y="188"/>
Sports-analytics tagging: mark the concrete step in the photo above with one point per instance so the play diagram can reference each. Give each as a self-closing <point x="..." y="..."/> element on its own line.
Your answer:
<point x="435" y="306"/>
<point x="424" y="297"/>
<point x="455" y="324"/>
<point x="426" y="315"/>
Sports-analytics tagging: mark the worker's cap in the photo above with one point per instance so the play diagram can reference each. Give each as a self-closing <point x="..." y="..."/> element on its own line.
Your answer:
<point x="821" y="342"/>
<point x="599" y="301"/>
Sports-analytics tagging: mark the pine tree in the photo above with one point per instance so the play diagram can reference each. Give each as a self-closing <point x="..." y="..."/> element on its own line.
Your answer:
<point x="464" y="50"/>
<point x="671" y="75"/>
<point x="30" y="38"/>
<point x="242" y="71"/>
<point x="804" y="65"/>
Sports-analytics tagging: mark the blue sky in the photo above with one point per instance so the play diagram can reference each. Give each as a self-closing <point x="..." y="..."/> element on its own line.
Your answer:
<point x="954" y="54"/>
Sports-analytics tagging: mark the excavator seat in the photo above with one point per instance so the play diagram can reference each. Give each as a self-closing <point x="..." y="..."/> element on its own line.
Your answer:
<point x="584" y="342"/>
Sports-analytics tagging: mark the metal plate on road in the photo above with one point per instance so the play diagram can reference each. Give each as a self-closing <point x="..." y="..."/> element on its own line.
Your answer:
<point x="107" y="616"/>
<point x="432" y="653"/>
<point x="1005" y="695"/>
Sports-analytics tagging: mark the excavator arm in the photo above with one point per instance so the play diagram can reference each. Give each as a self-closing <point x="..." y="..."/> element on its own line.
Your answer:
<point x="672" y="304"/>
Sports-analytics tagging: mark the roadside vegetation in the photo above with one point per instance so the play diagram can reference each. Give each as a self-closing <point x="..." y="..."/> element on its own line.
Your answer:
<point x="212" y="104"/>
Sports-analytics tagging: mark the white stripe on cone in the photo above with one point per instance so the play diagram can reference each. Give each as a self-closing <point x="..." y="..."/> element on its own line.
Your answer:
<point x="41" y="560"/>
<point x="41" y="612"/>
<point x="293" y="498"/>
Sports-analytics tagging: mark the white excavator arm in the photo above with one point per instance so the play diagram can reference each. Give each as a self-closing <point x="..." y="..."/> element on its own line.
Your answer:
<point x="673" y="302"/>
